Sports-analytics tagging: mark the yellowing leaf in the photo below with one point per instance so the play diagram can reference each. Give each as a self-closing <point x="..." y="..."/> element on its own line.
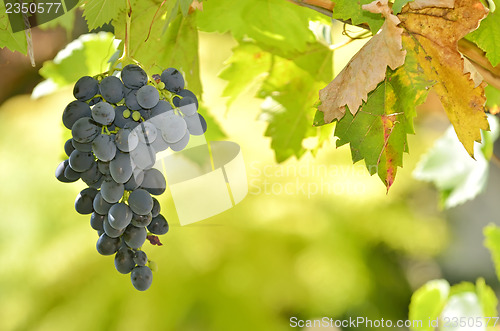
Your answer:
<point x="366" y="69"/>
<point x="432" y="34"/>
<point x="377" y="133"/>
<point x="420" y="4"/>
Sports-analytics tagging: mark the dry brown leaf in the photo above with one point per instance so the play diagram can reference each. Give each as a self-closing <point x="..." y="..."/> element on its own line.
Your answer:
<point x="366" y="69"/>
<point x="196" y="5"/>
<point x="433" y="34"/>
<point x="475" y="75"/>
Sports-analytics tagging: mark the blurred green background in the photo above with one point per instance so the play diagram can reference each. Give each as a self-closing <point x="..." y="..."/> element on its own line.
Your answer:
<point x="315" y="237"/>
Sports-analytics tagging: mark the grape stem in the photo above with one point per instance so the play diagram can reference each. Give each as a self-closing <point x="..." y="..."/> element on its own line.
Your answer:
<point x="105" y="130"/>
<point x="126" y="194"/>
<point x="169" y="96"/>
<point x="125" y="58"/>
<point x="95" y="96"/>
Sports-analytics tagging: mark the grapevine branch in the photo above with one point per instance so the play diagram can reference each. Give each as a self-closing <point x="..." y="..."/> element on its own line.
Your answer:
<point x="490" y="74"/>
<point x="324" y="7"/>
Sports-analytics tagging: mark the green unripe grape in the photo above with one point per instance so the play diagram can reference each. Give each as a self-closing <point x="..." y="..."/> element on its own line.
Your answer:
<point x="153" y="266"/>
<point x="136" y="116"/>
<point x="161" y="85"/>
<point x="126" y="113"/>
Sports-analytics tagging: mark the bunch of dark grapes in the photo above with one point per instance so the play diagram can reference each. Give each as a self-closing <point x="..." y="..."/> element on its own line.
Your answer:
<point x="118" y="126"/>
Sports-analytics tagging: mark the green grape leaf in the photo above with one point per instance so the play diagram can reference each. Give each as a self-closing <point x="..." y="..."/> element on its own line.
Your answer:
<point x="487" y="36"/>
<point x="86" y="56"/>
<point x="427" y="303"/>
<point x="462" y="287"/>
<point x="348" y="9"/>
<point x="275" y="23"/>
<point x="319" y="118"/>
<point x="457" y="176"/>
<point x="172" y="9"/>
<point x="99" y="12"/>
<point x="13" y="41"/>
<point x="176" y="47"/>
<point x="289" y="86"/>
<point x="288" y="107"/>
<point x="492" y="242"/>
<point x="145" y="27"/>
<point x="185" y="4"/>
<point x="182" y="50"/>
<point x="377" y="133"/>
<point x="246" y="64"/>
<point x="492" y="98"/>
<point x="436" y="302"/>
<point x="487" y="298"/>
<point x="315" y="59"/>
<point x="251" y="61"/>
<point x="66" y="21"/>
<point x="398" y="5"/>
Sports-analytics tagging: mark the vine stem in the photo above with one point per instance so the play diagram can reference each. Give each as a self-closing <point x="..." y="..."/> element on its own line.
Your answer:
<point x="125" y="58"/>
<point x="128" y="20"/>
<point x="490" y="74"/>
